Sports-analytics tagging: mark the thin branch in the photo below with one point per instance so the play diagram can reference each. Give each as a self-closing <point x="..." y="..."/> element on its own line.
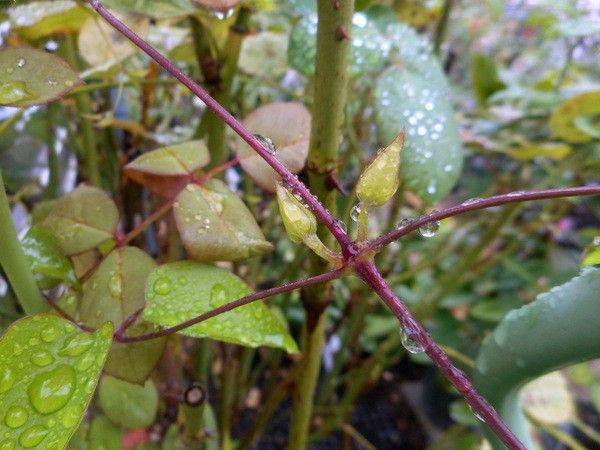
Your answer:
<point x="65" y="315"/>
<point x="369" y="273"/>
<point x="290" y="179"/>
<point x="475" y="204"/>
<point x="327" y="276"/>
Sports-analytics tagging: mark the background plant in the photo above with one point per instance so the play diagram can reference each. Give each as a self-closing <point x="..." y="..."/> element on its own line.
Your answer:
<point x="392" y="87"/>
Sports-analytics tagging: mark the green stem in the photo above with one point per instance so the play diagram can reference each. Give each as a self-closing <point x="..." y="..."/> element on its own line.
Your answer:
<point x="442" y="26"/>
<point x="83" y="102"/>
<point x="52" y="111"/>
<point x="15" y="264"/>
<point x="227" y="393"/>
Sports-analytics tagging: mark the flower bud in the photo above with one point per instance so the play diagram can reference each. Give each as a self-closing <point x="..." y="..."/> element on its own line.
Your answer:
<point x="379" y="181"/>
<point x="298" y="219"/>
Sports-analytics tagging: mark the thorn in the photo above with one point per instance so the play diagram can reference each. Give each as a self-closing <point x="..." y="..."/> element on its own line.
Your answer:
<point x="341" y="33"/>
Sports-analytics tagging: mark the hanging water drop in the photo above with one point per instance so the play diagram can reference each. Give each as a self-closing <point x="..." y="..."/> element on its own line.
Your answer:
<point x="267" y="143"/>
<point x="355" y="212"/>
<point x="429" y="229"/>
<point x="16" y="416"/>
<point x="50" y="391"/>
<point x="410" y="343"/>
<point x="340" y="223"/>
<point x="405" y="222"/>
<point x="162" y="286"/>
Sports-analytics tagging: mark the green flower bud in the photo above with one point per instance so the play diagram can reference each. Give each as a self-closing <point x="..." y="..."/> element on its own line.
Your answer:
<point x="298" y="219"/>
<point x="379" y="181"/>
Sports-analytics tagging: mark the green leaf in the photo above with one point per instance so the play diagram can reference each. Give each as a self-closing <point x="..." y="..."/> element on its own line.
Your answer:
<point x="560" y="328"/>
<point x="298" y="219"/>
<point x="179" y="291"/>
<point x="592" y="254"/>
<point x="264" y="54"/>
<point x="32" y="77"/>
<point x="103" y="435"/>
<point x="461" y="413"/>
<point x="167" y="170"/>
<point x="40" y="19"/>
<point x="562" y="121"/>
<point x="546" y="150"/>
<point x="82" y="220"/>
<point x="135" y="361"/>
<point x="47" y="262"/>
<point x="48" y="373"/>
<point x="485" y="77"/>
<point x="215" y="225"/>
<point x="432" y="156"/>
<point x="128" y="405"/>
<point x="159" y="9"/>
<point x="116" y="289"/>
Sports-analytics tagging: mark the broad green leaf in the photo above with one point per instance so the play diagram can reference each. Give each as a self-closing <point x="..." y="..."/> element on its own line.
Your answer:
<point x="547" y="150"/>
<point x="43" y="254"/>
<point x="179" y="291"/>
<point x="128" y="405"/>
<point x="39" y="19"/>
<point x="560" y="328"/>
<point x="103" y="435"/>
<point x="484" y="77"/>
<point x="116" y="289"/>
<point x="32" y="77"/>
<point x="215" y="225"/>
<point x="432" y="155"/>
<point x="82" y="219"/>
<point x="48" y="373"/>
<point x="287" y="125"/>
<point x="167" y="170"/>
<point x="264" y="54"/>
<point x="135" y="361"/>
<point x="101" y="45"/>
<point x="562" y="121"/>
<point x="159" y="9"/>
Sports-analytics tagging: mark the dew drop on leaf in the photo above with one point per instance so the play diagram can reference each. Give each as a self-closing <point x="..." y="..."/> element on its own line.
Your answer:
<point x="218" y="295"/>
<point x="7" y="379"/>
<point x="77" y="345"/>
<point x="355" y="213"/>
<point x="16" y="416"/>
<point x="33" y="436"/>
<point x="410" y="343"/>
<point x="115" y="286"/>
<point x="41" y="358"/>
<point x="162" y="286"/>
<point x="8" y="444"/>
<point x="49" y="334"/>
<point x="50" y="391"/>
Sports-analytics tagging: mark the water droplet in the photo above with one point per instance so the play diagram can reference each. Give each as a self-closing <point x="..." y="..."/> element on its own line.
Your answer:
<point x="10" y="70"/>
<point x="115" y="286"/>
<point x="429" y="229"/>
<point x="85" y="362"/>
<point x="77" y="345"/>
<point x="33" y="436"/>
<point x="405" y="222"/>
<point x="476" y="414"/>
<point x="69" y="83"/>
<point x="341" y="224"/>
<point x="470" y="201"/>
<point x="49" y="334"/>
<point x="410" y="343"/>
<point x="218" y="295"/>
<point x="41" y="358"/>
<point x="52" y="82"/>
<point x="267" y="143"/>
<point x="70" y="417"/>
<point x="8" y="444"/>
<point x="21" y="63"/>
<point x="7" y="379"/>
<point x="162" y="286"/>
<point x="182" y="281"/>
<point x="355" y="212"/>
<point x="16" y="416"/>
<point x="50" y="391"/>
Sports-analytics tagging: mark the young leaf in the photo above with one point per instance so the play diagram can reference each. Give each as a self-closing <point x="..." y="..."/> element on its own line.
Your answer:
<point x="47" y="262"/>
<point x="298" y="219"/>
<point x="564" y="117"/>
<point x="379" y="181"/>
<point x="128" y="405"/>
<point x="48" y="373"/>
<point x="432" y="156"/>
<point x="182" y="290"/>
<point x="32" y="77"/>
<point x="116" y="289"/>
<point x="166" y="170"/>
<point x="82" y="219"/>
<point x="485" y="77"/>
<point x="287" y="125"/>
<point x="215" y="225"/>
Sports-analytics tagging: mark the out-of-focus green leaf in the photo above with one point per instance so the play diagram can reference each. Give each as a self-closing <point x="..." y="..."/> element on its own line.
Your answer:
<point x="532" y="151"/>
<point x="159" y="9"/>
<point x="128" y="405"/>
<point x="432" y="156"/>
<point x="47" y="262"/>
<point x="287" y="126"/>
<point x="179" y="291"/>
<point x="562" y="120"/>
<point x="167" y="170"/>
<point x="103" y="435"/>
<point x="485" y="77"/>
<point x="217" y="5"/>
<point x="461" y="413"/>
<point x="264" y="54"/>
<point x="48" y="373"/>
<point x="592" y="254"/>
<point x="135" y="361"/>
<point x="116" y="289"/>
<point x="548" y="399"/>
<point x="32" y="77"/>
<point x="215" y="225"/>
<point x="595" y="395"/>
<point x="39" y="19"/>
<point x="82" y="219"/>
